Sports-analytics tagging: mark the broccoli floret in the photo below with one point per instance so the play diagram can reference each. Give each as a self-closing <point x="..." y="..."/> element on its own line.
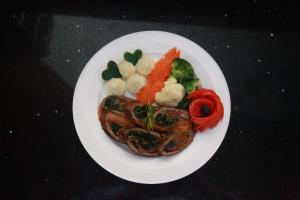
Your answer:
<point x="182" y="70"/>
<point x="190" y="85"/>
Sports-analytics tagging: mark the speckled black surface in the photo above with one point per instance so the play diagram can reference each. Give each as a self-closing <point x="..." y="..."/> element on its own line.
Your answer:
<point x="46" y="45"/>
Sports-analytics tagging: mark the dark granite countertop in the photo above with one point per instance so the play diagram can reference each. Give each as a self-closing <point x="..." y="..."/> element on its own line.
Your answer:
<point x="46" y="45"/>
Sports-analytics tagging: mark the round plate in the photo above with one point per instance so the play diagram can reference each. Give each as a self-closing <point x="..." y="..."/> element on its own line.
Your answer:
<point x="117" y="158"/>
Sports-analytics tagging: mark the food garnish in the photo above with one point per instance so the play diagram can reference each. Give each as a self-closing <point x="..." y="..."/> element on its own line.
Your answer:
<point x="133" y="57"/>
<point x="149" y="117"/>
<point x="205" y="109"/>
<point x="112" y="71"/>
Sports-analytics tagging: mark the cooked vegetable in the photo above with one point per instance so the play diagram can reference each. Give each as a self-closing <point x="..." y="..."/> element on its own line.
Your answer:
<point x="163" y="119"/>
<point x="202" y="116"/>
<point x="112" y="103"/>
<point x="115" y="127"/>
<point x="157" y="77"/>
<point x="162" y="69"/>
<point x="135" y="83"/>
<point x="171" y="146"/>
<point x="145" y="65"/>
<point x="140" y="112"/>
<point x="112" y="71"/>
<point x="147" y="93"/>
<point x="170" y="95"/>
<point x="115" y="86"/>
<point x="184" y="103"/>
<point x="133" y="57"/>
<point x="171" y="80"/>
<point x="172" y="54"/>
<point x="182" y="70"/>
<point x="126" y="69"/>
<point x="190" y="85"/>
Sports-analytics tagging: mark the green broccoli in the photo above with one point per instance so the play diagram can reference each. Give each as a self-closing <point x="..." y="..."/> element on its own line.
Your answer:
<point x="190" y="85"/>
<point x="182" y="70"/>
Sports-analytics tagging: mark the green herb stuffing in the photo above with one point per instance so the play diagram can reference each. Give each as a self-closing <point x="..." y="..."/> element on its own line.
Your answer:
<point x="112" y="71"/>
<point x="112" y="103"/>
<point x="140" y="112"/>
<point x="164" y="120"/>
<point x="171" y="145"/>
<point x="115" y="127"/>
<point x="144" y="139"/>
<point x="133" y="57"/>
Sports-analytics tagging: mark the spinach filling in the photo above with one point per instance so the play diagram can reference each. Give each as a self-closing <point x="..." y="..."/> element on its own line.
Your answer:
<point x="112" y="103"/>
<point x="144" y="139"/>
<point x="114" y="127"/>
<point x="140" y="112"/>
<point x="163" y="119"/>
<point x="171" y="145"/>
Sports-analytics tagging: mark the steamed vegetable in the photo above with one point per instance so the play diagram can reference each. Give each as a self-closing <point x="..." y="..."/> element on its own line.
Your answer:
<point x="112" y="71"/>
<point x="183" y="71"/>
<point x="135" y="83"/>
<point x="126" y="69"/>
<point x="133" y="57"/>
<point x="157" y="77"/>
<point x="184" y="103"/>
<point x="145" y="65"/>
<point x="115" y="86"/>
<point x="170" y="95"/>
<point x="190" y="85"/>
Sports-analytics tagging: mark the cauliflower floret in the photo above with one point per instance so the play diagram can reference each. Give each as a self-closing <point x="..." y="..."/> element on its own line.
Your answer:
<point x="171" y="80"/>
<point x="126" y="69"/>
<point x="145" y="65"/>
<point x="170" y="95"/>
<point x="135" y="83"/>
<point x="115" y="86"/>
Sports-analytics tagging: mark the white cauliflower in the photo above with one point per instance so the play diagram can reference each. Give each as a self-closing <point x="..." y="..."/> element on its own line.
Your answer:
<point x="126" y="69"/>
<point x="170" y="95"/>
<point x="135" y="83"/>
<point x="115" y="86"/>
<point x="171" y="80"/>
<point x="145" y="65"/>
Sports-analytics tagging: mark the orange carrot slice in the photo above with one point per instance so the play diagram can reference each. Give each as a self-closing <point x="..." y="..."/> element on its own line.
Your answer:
<point x="157" y="77"/>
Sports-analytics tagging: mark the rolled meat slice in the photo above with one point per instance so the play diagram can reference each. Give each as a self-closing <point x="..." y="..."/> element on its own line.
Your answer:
<point x="179" y="138"/>
<point x="115" y="124"/>
<point x="143" y="142"/>
<point x="166" y="118"/>
<point x="113" y="103"/>
<point x="137" y="112"/>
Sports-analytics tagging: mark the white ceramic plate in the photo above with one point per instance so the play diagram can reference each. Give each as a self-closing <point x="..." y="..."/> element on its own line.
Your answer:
<point x="115" y="157"/>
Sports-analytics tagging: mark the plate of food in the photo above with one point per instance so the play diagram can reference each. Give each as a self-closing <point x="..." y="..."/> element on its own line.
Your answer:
<point x="151" y="107"/>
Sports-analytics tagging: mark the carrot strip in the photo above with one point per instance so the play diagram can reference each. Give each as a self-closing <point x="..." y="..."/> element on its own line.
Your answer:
<point x="157" y="77"/>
